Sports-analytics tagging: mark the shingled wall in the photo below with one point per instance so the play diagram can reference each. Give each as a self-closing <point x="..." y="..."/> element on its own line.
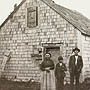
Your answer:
<point x="23" y="41"/>
<point x="86" y="55"/>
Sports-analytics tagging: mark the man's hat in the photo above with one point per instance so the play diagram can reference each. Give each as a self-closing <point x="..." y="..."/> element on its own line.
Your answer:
<point x="76" y="49"/>
<point x="60" y="58"/>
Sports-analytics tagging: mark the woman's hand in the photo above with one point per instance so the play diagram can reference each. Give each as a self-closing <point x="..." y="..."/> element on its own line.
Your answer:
<point x="47" y="69"/>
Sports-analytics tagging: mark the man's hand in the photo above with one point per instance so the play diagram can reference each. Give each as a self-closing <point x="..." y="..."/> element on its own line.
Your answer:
<point x="70" y="71"/>
<point x="79" y="70"/>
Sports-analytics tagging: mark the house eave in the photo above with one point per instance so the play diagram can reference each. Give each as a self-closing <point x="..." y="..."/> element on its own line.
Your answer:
<point x="12" y="13"/>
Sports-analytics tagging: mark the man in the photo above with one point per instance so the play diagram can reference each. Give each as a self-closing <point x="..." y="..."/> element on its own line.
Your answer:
<point x="75" y="67"/>
<point x="60" y="73"/>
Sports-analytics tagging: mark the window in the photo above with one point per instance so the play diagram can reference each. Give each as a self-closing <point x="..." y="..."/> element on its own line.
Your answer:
<point x="32" y="17"/>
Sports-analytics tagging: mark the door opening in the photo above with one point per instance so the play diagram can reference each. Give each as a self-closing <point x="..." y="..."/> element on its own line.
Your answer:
<point x="55" y="53"/>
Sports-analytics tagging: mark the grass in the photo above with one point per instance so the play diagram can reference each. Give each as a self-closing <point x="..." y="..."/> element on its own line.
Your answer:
<point x="12" y="85"/>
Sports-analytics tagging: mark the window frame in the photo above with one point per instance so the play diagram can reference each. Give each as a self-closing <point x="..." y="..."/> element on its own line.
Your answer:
<point x="37" y="17"/>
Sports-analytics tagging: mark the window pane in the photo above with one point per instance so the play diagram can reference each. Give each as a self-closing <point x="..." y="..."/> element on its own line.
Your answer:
<point x="32" y="17"/>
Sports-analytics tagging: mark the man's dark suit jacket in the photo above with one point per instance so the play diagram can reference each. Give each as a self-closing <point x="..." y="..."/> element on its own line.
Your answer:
<point x="60" y="71"/>
<point x="73" y="67"/>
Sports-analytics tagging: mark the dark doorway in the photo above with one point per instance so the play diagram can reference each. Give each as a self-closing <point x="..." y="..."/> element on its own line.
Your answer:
<point x="55" y="53"/>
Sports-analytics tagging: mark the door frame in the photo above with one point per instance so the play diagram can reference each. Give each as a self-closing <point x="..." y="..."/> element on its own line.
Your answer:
<point x="51" y="45"/>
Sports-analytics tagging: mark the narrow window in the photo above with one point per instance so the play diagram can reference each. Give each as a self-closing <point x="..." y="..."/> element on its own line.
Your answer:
<point x="32" y="17"/>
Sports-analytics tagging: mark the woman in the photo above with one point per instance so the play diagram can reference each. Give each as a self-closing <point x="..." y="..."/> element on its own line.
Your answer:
<point x="48" y="78"/>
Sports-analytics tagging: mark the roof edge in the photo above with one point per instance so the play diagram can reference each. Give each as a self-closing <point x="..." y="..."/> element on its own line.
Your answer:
<point x="12" y="13"/>
<point x="85" y="34"/>
<point x="51" y="4"/>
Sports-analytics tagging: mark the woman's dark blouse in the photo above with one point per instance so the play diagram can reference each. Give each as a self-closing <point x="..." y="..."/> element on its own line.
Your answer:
<point x="46" y="64"/>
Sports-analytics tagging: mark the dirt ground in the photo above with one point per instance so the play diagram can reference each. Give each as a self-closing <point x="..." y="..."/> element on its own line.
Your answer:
<point x="12" y="85"/>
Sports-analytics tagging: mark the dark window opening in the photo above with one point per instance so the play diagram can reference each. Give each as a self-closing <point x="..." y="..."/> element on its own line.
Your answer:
<point x="32" y="17"/>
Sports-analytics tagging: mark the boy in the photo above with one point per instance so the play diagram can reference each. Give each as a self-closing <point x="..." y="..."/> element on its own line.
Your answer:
<point x="60" y="73"/>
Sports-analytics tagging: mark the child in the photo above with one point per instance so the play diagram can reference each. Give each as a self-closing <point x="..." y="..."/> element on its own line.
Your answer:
<point x="60" y="73"/>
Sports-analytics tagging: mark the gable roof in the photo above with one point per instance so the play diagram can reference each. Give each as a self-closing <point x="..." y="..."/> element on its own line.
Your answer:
<point x="12" y="13"/>
<point x="76" y="19"/>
